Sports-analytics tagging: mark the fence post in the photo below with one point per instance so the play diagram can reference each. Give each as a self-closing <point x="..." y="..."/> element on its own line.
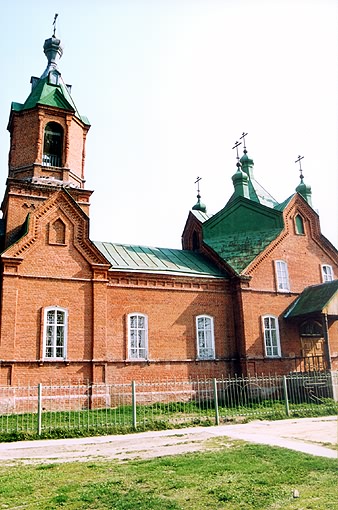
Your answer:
<point x="133" y="402"/>
<point x="39" y="408"/>
<point x="287" y="409"/>
<point x="216" y="401"/>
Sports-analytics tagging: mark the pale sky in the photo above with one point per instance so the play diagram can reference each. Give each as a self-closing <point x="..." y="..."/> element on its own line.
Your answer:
<point x="169" y="86"/>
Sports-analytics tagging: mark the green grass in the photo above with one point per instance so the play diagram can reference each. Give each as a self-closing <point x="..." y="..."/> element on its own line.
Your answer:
<point x="239" y="477"/>
<point x="157" y="416"/>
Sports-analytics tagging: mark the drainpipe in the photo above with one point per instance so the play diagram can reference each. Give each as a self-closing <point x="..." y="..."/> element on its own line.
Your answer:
<point x="326" y="340"/>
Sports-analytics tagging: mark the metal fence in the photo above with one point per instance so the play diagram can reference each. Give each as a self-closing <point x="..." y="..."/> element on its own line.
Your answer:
<point x="65" y="410"/>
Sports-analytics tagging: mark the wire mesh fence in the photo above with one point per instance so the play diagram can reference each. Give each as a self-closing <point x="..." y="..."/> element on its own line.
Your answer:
<point x="80" y="409"/>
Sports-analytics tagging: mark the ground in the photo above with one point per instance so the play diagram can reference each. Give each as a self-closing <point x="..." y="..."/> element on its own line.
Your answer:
<point x="316" y="436"/>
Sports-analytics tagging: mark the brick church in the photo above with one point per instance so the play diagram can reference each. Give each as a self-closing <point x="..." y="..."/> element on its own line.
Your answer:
<point x="254" y="288"/>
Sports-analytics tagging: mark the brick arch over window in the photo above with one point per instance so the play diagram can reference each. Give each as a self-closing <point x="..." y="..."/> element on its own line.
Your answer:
<point x="57" y="232"/>
<point x="52" y="145"/>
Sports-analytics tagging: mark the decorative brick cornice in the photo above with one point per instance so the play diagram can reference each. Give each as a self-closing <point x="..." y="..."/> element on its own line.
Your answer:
<point x="166" y="282"/>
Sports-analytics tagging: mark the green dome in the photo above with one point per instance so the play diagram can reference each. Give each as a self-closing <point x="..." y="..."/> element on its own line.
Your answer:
<point x="247" y="164"/>
<point x="199" y="206"/>
<point x="239" y="176"/>
<point x="304" y="190"/>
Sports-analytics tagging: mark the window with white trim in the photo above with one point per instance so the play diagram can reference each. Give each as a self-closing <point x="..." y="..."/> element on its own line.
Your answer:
<point x="271" y="336"/>
<point x="282" y="276"/>
<point x="55" y="333"/>
<point x="137" y="336"/>
<point x="327" y="273"/>
<point x="205" y="337"/>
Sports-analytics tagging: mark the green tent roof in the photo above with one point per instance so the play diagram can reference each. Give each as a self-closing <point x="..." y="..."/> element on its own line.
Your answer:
<point x="241" y="231"/>
<point x="241" y="248"/>
<point x="44" y="93"/>
<point x="145" y="259"/>
<point x="312" y="300"/>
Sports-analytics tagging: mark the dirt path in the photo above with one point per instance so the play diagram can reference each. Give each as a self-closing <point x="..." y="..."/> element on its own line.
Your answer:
<point x="316" y="436"/>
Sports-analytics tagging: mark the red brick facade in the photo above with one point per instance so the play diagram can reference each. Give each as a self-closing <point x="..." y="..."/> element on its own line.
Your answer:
<point x="48" y="261"/>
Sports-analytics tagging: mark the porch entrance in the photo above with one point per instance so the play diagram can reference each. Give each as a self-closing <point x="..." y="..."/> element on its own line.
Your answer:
<point x="313" y="354"/>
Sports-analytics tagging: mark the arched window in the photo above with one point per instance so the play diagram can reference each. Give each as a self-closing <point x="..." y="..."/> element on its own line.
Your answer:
<point x="311" y="328"/>
<point x="57" y="232"/>
<point x="137" y="336"/>
<point x="55" y="333"/>
<point x="205" y="337"/>
<point x="271" y="336"/>
<point x="282" y="276"/>
<point x="52" y="145"/>
<point x="195" y="241"/>
<point x="299" y="224"/>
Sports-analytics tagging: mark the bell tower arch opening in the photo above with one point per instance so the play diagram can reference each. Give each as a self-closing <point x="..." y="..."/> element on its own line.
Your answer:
<point x="52" y="145"/>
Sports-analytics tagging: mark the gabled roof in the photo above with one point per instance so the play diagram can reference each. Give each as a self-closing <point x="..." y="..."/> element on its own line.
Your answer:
<point x="145" y="259"/>
<point x="282" y="205"/>
<point x="315" y="299"/>
<point x="29" y="232"/>
<point x="241" y="231"/>
<point x="200" y="215"/>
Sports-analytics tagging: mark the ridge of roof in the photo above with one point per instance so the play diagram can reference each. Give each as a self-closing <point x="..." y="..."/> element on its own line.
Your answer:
<point x="146" y="259"/>
<point x="282" y="205"/>
<point x="200" y="215"/>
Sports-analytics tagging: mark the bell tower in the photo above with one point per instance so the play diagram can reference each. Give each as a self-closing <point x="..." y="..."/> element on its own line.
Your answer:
<point x="47" y="146"/>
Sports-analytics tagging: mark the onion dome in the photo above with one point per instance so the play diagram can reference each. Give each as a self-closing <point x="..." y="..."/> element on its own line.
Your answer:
<point x="53" y="51"/>
<point x="240" y="181"/>
<point x="247" y="164"/>
<point x="199" y="206"/>
<point x="304" y="190"/>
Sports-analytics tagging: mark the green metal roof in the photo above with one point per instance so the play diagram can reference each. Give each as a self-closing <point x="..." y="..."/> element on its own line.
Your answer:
<point x="258" y="194"/>
<point x="47" y="94"/>
<point x="200" y="215"/>
<point x="312" y="300"/>
<point x="241" y="248"/>
<point x="241" y="231"/>
<point x="144" y="259"/>
<point x="282" y="205"/>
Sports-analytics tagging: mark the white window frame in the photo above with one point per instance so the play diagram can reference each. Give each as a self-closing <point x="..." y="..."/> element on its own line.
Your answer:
<point x="53" y="328"/>
<point x="140" y="349"/>
<point x="282" y="276"/>
<point x="205" y="337"/>
<point x="327" y="273"/>
<point x="271" y="336"/>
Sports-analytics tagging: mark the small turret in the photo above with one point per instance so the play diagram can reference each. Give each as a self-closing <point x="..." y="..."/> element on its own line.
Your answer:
<point x="302" y="188"/>
<point x="240" y="181"/>
<point x="53" y="50"/>
<point x="305" y="190"/>
<point x="199" y="206"/>
<point x="247" y="164"/>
